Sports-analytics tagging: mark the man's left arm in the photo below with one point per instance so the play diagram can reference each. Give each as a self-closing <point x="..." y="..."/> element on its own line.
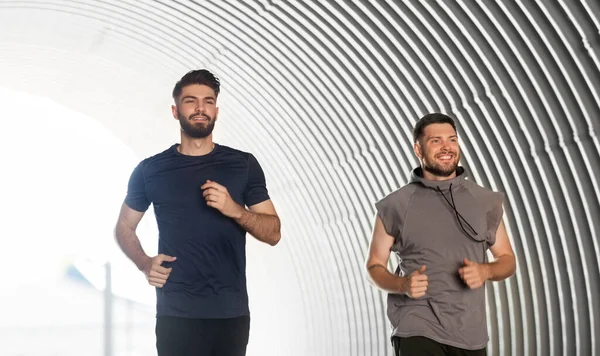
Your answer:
<point x="504" y="265"/>
<point x="259" y="220"/>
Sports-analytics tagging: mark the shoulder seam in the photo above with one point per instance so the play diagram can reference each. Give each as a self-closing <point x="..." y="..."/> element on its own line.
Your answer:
<point x="245" y="155"/>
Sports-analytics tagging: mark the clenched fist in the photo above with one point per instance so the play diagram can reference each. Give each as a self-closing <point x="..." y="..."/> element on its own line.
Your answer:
<point x="473" y="274"/>
<point x="218" y="197"/>
<point x="156" y="274"/>
<point x="415" y="284"/>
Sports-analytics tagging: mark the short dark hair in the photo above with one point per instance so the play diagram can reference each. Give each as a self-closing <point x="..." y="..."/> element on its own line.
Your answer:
<point x="433" y="118"/>
<point x="199" y="76"/>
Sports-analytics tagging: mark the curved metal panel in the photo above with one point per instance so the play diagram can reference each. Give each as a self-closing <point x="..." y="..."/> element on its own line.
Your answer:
<point x="325" y="93"/>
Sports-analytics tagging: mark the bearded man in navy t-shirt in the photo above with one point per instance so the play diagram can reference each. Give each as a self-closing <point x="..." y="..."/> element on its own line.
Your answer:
<point x="206" y="197"/>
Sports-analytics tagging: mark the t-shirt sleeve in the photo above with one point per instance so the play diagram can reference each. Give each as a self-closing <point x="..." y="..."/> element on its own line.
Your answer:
<point x="256" y="187"/>
<point x="387" y="211"/>
<point x="136" y="197"/>
<point x="494" y="217"/>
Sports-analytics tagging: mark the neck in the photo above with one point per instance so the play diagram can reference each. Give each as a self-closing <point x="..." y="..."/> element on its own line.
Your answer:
<point x="430" y="176"/>
<point x="195" y="146"/>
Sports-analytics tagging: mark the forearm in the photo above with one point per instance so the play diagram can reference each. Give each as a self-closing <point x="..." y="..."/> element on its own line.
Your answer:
<point x="131" y="246"/>
<point x="384" y="280"/>
<point x="502" y="268"/>
<point x="264" y="227"/>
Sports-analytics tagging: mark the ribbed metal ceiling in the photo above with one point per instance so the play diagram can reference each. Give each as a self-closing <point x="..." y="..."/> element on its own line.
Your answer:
<point x="325" y="93"/>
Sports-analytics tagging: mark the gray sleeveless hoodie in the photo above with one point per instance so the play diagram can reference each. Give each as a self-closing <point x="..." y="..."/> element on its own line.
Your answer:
<point x="438" y="224"/>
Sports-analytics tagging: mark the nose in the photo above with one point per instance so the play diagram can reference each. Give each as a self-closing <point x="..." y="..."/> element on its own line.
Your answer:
<point x="200" y="108"/>
<point x="445" y="146"/>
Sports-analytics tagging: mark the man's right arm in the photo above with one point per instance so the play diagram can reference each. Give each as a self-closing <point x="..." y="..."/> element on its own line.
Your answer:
<point x="130" y="244"/>
<point x="127" y="238"/>
<point x="413" y="285"/>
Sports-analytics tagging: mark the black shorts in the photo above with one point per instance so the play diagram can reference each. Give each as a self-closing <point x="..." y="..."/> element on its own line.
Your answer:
<point x="202" y="337"/>
<point x="421" y="346"/>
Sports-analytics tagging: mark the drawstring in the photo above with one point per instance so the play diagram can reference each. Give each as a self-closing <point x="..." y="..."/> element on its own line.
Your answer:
<point x="460" y="219"/>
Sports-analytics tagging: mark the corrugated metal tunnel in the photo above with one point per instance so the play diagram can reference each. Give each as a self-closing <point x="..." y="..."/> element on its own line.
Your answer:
<point x="325" y="93"/>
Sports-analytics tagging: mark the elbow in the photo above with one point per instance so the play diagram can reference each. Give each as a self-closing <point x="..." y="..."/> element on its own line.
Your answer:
<point x="367" y="269"/>
<point x="121" y="232"/>
<point x="511" y="261"/>
<point x="276" y="236"/>
<point x="371" y="279"/>
<point x="117" y="234"/>
<point x="275" y="239"/>
<point x="513" y="270"/>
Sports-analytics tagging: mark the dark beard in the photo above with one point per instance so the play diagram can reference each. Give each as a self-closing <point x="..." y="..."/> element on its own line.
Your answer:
<point x="199" y="131"/>
<point x="440" y="171"/>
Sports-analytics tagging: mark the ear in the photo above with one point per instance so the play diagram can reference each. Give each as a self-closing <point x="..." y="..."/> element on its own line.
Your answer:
<point x="417" y="149"/>
<point x="217" y="114"/>
<point x="174" y="111"/>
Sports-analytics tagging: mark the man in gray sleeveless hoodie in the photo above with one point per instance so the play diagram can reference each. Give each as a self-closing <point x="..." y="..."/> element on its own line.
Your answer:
<point x="440" y="226"/>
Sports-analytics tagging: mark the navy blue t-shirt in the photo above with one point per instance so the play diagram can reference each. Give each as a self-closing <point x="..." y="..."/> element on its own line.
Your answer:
<point x="208" y="279"/>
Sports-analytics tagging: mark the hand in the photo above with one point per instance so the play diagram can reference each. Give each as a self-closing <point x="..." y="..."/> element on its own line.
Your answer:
<point x="473" y="274"/>
<point x="218" y="197"/>
<point x="416" y="283"/>
<point x="156" y="274"/>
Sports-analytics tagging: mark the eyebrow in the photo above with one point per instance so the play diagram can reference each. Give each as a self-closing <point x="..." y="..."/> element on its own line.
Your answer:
<point x="430" y="137"/>
<point x="195" y="97"/>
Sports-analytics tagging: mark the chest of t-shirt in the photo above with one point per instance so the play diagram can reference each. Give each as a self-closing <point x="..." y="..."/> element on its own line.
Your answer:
<point x="180" y="185"/>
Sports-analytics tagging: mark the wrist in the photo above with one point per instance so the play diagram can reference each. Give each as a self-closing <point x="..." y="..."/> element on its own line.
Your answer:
<point x="144" y="263"/>
<point x="239" y="212"/>
<point x="401" y="283"/>
<point x="487" y="271"/>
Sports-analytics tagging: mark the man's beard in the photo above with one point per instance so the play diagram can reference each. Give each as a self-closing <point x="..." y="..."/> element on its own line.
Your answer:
<point x="441" y="170"/>
<point x="200" y="130"/>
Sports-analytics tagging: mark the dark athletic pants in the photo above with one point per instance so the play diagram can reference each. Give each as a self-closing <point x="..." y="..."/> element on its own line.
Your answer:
<point x="422" y="346"/>
<point x="202" y="337"/>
